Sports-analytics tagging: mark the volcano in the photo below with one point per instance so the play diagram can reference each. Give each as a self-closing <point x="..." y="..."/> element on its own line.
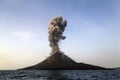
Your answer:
<point x="59" y="61"/>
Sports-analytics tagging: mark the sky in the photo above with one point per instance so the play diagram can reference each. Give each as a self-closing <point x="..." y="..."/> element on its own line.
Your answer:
<point x="93" y="31"/>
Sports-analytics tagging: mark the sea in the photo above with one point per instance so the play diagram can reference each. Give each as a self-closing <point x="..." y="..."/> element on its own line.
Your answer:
<point x="60" y="75"/>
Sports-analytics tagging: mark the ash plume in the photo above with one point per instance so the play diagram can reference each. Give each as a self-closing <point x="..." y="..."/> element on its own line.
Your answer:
<point x="56" y="28"/>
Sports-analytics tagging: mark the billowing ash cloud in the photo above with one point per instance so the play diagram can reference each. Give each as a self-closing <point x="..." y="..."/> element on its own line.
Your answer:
<point x="56" y="28"/>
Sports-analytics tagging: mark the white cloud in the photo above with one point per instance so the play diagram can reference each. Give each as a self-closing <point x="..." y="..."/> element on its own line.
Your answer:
<point x="23" y="35"/>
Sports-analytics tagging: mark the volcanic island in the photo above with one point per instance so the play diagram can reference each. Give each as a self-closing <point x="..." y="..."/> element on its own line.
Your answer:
<point x="57" y="59"/>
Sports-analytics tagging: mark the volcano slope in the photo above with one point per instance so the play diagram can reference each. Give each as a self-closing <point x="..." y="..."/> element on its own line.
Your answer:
<point x="59" y="61"/>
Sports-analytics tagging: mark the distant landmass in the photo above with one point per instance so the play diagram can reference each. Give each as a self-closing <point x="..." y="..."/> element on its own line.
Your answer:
<point x="117" y="68"/>
<point x="59" y="61"/>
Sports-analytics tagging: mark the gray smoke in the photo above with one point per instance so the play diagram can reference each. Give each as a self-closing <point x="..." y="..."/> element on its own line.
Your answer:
<point x="56" y="28"/>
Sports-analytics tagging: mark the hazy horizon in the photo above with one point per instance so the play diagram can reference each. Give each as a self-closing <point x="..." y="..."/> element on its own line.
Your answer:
<point x="92" y="33"/>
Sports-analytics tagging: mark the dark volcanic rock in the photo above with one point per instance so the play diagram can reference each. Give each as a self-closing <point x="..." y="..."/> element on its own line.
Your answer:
<point x="59" y="61"/>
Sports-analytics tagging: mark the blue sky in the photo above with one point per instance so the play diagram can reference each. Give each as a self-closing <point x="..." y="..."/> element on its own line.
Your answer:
<point x="92" y="32"/>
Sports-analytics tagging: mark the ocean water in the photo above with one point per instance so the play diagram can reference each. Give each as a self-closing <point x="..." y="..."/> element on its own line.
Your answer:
<point x="60" y="75"/>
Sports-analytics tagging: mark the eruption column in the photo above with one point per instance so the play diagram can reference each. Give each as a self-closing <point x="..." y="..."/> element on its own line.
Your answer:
<point x="56" y="28"/>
